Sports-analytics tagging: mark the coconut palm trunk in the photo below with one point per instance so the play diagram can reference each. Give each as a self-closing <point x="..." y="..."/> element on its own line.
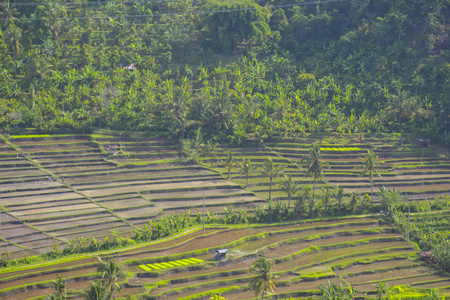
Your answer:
<point x="370" y="164"/>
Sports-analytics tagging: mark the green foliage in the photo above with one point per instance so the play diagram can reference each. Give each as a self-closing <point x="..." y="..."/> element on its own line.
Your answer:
<point x="370" y="164"/>
<point x="334" y="292"/>
<point x="263" y="282"/>
<point x="98" y="290"/>
<point x="314" y="164"/>
<point x="389" y="198"/>
<point x="232" y="22"/>
<point x="246" y="168"/>
<point x="110" y="272"/>
<point x="290" y="187"/>
<point x="349" y="67"/>
<point x="59" y="284"/>
<point x="229" y="162"/>
<point x="271" y="170"/>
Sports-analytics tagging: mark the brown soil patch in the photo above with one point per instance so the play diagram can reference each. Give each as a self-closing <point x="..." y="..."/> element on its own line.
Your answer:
<point x="373" y="266"/>
<point x="124" y="203"/>
<point x="388" y="275"/>
<point x="324" y="255"/>
<point x="319" y="223"/>
<point x="40" y="198"/>
<point x="289" y="249"/>
<point x="161" y="186"/>
<point x="62" y="214"/>
<point x="76" y="221"/>
<point x="118" y="176"/>
<point x="402" y="281"/>
<point x="197" y="193"/>
<point x="81" y="207"/>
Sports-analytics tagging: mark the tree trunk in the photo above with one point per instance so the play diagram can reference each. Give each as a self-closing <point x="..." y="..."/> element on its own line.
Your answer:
<point x="262" y="297"/>
<point x="246" y="181"/>
<point x="270" y="189"/>
<point x="289" y="200"/>
<point x="371" y="191"/>
<point x="314" y="186"/>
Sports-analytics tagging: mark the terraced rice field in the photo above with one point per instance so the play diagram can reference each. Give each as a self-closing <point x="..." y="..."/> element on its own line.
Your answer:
<point x="55" y="189"/>
<point x="357" y="252"/>
<point x="420" y="173"/>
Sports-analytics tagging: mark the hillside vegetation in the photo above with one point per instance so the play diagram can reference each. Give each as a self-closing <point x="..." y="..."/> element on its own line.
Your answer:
<point x="269" y="69"/>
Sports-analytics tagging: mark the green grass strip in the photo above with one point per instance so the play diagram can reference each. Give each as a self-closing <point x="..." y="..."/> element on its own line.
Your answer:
<point x="176" y="263"/>
<point x="197" y="260"/>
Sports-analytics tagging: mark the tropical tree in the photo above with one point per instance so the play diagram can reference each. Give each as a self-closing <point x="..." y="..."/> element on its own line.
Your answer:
<point x="181" y="123"/>
<point x="326" y="198"/>
<point x="418" y="111"/>
<point x="399" y="105"/>
<point x="246" y="167"/>
<point x="334" y="292"/>
<point x="8" y="13"/>
<point x="229" y="162"/>
<point x="269" y="169"/>
<point x="382" y="291"/>
<point x="13" y="37"/>
<point x="59" y="284"/>
<point x="290" y="187"/>
<point x="354" y="202"/>
<point x="98" y="290"/>
<point x="314" y="164"/>
<point x="210" y="149"/>
<point x="262" y="283"/>
<point x="370" y="164"/>
<point x="221" y="30"/>
<point x="339" y="194"/>
<point x="217" y="297"/>
<point x="110" y="273"/>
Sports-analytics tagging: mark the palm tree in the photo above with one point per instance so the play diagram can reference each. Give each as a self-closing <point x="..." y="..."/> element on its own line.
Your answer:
<point x="290" y="187"/>
<point x="13" y="37"/>
<point x="399" y="105"/>
<point x="181" y="123"/>
<point x="8" y="13"/>
<point x="60" y="286"/>
<point x="210" y="149"/>
<point x="263" y="281"/>
<point x="272" y="171"/>
<point x="334" y="292"/>
<point x="418" y="111"/>
<point x="382" y="291"/>
<point x="370" y="164"/>
<point x="339" y="194"/>
<point x="246" y="168"/>
<point x="314" y="164"/>
<point x="326" y="198"/>
<point x="229" y="162"/>
<point x="97" y="290"/>
<point x="110" y="272"/>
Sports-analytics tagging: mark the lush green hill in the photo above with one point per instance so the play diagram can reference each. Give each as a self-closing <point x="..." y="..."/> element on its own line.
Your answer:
<point x="231" y="67"/>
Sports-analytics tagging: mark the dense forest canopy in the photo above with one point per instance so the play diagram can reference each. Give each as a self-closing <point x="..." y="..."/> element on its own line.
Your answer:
<point x="233" y="68"/>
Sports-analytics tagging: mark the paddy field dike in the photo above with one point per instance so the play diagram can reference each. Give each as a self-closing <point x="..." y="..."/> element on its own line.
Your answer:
<point x="56" y="189"/>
